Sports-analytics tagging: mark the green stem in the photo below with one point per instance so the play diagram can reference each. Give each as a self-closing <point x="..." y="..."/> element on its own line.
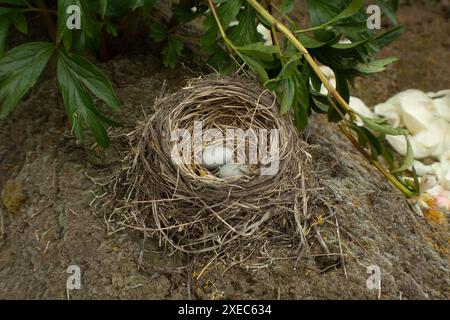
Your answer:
<point x="293" y="39"/>
<point x="331" y="90"/>
<point x="219" y="25"/>
<point x="408" y="193"/>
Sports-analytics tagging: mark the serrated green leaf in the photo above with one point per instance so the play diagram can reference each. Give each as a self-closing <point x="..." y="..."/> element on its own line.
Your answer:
<point x="20" y="68"/>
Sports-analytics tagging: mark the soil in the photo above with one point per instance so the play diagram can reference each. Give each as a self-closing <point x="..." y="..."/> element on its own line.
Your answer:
<point x="48" y="221"/>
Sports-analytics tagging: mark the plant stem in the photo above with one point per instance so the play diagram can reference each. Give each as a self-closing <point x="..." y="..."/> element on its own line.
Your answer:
<point x="331" y="90"/>
<point x="293" y="39"/>
<point x="408" y="193"/>
<point x="219" y="25"/>
<point x="48" y="21"/>
<point x="39" y="10"/>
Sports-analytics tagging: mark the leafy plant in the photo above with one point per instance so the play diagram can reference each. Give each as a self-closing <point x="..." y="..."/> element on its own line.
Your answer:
<point x="232" y="39"/>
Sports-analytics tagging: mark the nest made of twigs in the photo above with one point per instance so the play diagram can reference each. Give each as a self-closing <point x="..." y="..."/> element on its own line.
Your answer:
<point x="192" y="210"/>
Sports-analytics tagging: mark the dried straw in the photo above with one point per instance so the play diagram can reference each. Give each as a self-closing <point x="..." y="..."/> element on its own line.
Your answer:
<point x="192" y="210"/>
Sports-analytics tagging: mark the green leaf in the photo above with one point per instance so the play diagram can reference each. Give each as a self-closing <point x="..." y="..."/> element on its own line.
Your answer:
<point x="71" y="70"/>
<point x="389" y="7"/>
<point x="290" y="67"/>
<point x="158" y="32"/>
<point x="14" y="16"/>
<point x="103" y="6"/>
<point x="416" y="186"/>
<point x="344" y="91"/>
<point x="259" y="51"/>
<point x="256" y="67"/>
<point x="288" y="95"/>
<point x="20" y="68"/>
<point x="409" y="158"/>
<point x="134" y="4"/>
<point x="183" y="12"/>
<point x="325" y="12"/>
<point x="374" y="143"/>
<point x="386" y="38"/>
<point x="87" y="73"/>
<point x="227" y="12"/>
<point x="111" y="29"/>
<point x="19" y="22"/>
<point x="388" y="156"/>
<point x="342" y="85"/>
<point x="287" y="6"/>
<point x="245" y="32"/>
<point x="320" y="104"/>
<point x="301" y="105"/>
<point x="352" y="45"/>
<point x="382" y="128"/>
<point x="308" y="42"/>
<point x="375" y="66"/>
<point x="148" y="5"/>
<point x="172" y="51"/>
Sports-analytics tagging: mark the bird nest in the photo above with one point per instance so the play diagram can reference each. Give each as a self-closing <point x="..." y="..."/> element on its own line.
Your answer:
<point x="171" y="195"/>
